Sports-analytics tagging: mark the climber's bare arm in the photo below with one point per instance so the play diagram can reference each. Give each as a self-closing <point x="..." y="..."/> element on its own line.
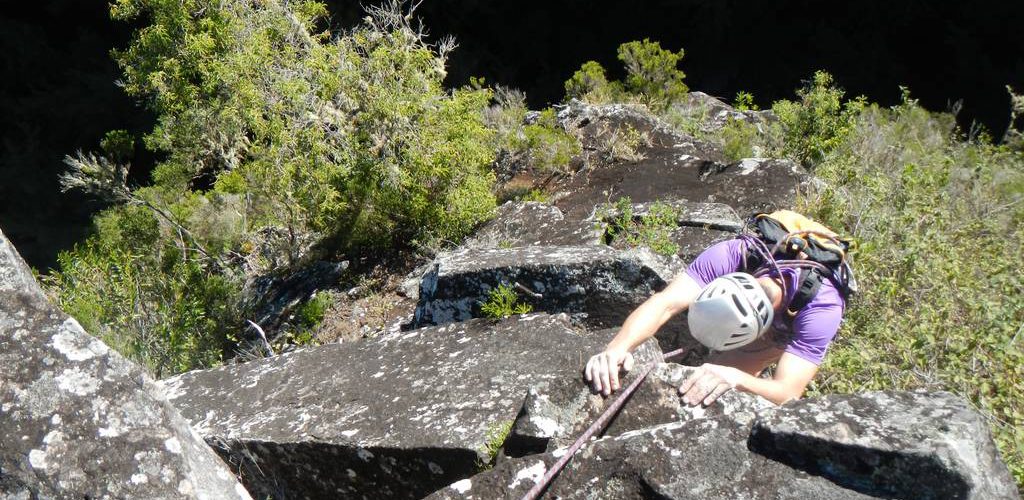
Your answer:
<point x="710" y="381"/>
<point x="602" y="371"/>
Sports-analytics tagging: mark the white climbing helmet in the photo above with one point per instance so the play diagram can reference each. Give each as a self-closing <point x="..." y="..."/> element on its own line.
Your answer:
<point x="731" y="311"/>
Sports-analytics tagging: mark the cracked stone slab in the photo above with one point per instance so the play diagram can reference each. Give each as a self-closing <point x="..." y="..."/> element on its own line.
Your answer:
<point x="79" y="421"/>
<point x="397" y="417"/>
<point x="893" y="444"/>
<point x="701" y="459"/>
<point x="599" y="283"/>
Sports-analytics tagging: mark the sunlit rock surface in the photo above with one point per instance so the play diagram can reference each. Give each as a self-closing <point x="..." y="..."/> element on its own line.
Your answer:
<point x="927" y="445"/>
<point x="874" y="445"/>
<point x="79" y="421"/>
<point x="395" y="418"/>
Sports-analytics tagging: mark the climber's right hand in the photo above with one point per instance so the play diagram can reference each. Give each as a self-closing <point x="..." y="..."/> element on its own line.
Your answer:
<point x="602" y="370"/>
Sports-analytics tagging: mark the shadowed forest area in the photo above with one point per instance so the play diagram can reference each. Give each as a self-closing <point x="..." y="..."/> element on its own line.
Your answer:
<point x="58" y="94"/>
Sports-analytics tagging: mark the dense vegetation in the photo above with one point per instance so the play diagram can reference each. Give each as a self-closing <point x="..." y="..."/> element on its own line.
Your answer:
<point x="283" y="144"/>
<point x="940" y="222"/>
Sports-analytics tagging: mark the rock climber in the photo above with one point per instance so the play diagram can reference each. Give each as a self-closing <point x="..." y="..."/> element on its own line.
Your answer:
<point x="774" y="295"/>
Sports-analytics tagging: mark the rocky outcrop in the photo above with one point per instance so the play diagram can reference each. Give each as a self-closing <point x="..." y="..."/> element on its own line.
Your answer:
<point x="598" y="284"/>
<point x="710" y="114"/>
<point x="876" y="445"/>
<point x="79" y="421"/>
<point x="532" y="223"/>
<point x="597" y="126"/>
<point x="397" y="417"/>
<point x="890" y="444"/>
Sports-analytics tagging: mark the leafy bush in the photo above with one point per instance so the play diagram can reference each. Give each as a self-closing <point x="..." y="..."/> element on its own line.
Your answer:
<point x="539" y="141"/>
<point x="652" y="78"/>
<point x="940" y="222"/>
<point x="816" y="124"/>
<point x="589" y="83"/>
<point x="744" y="101"/>
<point x="503" y="302"/>
<point x="145" y="296"/>
<point x="739" y="139"/>
<point x="653" y="230"/>
<point x="279" y="144"/>
<point x="653" y="73"/>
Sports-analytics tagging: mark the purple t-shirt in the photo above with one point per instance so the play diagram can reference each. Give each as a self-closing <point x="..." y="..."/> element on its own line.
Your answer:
<point x="814" y="326"/>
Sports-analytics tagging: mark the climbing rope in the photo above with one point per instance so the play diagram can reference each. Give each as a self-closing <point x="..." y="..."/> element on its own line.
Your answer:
<point x="598" y="426"/>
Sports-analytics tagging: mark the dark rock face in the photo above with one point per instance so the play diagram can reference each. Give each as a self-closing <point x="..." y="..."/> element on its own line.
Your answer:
<point x="397" y="417"/>
<point x="519" y="224"/>
<point x="79" y="421"/>
<point x="672" y="165"/>
<point x="891" y="444"/>
<point x="603" y="283"/>
<point x="753" y="184"/>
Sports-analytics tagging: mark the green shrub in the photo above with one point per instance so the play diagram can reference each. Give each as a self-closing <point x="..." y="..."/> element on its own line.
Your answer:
<point x="541" y="144"/>
<point x="653" y="73"/>
<point x="589" y="83"/>
<point x="818" y="122"/>
<point x="503" y="302"/>
<point x="279" y="143"/>
<point x="145" y="295"/>
<point x="738" y="139"/>
<point x="653" y="230"/>
<point x="652" y="78"/>
<point x="940" y="226"/>
<point x="744" y="101"/>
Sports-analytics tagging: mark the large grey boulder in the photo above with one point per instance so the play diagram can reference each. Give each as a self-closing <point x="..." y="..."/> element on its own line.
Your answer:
<point x="701" y="459"/>
<point x="396" y="417"/>
<point x="892" y="444"/>
<point x="603" y="284"/>
<point x="79" y="421"/>
<point x="875" y="445"/>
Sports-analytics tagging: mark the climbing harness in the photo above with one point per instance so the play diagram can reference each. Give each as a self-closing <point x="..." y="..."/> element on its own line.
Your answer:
<point x="599" y="425"/>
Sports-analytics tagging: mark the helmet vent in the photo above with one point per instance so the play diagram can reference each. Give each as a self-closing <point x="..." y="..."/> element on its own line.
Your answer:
<point x="736" y="300"/>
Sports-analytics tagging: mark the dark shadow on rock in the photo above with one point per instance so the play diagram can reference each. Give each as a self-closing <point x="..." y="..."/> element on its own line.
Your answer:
<point x="318" y="470"/>
<point x="881" y="474"/>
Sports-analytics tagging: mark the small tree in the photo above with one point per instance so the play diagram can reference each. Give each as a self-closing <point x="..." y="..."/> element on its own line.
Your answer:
<point x="653" y="73"/>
